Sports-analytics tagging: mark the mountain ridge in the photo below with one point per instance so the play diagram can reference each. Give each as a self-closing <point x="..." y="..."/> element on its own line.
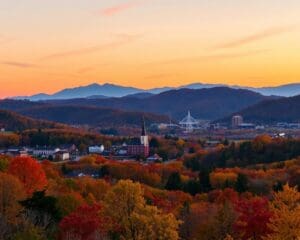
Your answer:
<point x="271" y="111"/>
<point x="113" y="90"/>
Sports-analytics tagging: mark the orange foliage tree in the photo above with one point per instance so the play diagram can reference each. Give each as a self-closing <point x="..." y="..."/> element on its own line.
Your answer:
<point x="29" y="172"/>
<point x="11" y="192"/>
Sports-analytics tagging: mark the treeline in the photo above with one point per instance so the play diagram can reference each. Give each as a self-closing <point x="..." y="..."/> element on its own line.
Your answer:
<point x="263" y="149"/>
<point x="55" y="137"/>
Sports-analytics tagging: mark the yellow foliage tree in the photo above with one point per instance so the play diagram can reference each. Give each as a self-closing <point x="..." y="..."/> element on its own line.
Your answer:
<point x="286" y="221"/>
<point x="222" y="179"/>
<point x="228" y="237"/>
<point x="126" y="205"/>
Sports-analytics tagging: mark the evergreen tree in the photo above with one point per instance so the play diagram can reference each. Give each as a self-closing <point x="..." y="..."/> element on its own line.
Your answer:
<point x="174" y="182"/>
<point x="204" y="180"/>
<point x="241" y="184"/>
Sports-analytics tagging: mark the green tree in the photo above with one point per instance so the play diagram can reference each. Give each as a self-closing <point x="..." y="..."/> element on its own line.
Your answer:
<point x="174" y="182"/>
<point x="241" y="184"/>
<point x="42" y="211"/>
<point x="204" y="179"/>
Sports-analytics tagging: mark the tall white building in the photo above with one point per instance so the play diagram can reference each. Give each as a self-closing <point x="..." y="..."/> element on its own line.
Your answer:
<point x="236" y="121"/>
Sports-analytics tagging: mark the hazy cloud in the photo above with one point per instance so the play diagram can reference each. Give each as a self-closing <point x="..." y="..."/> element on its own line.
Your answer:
<point x="4" y="40"/>
<point x="255" y="37"/>
<point x="113" y="10"/>
<point x="159" y="76"/>
<point x="19" y="64"/>
<point x="214" y="57"/>
<point x="123" y="39"/>
<point x="91" y="68"/>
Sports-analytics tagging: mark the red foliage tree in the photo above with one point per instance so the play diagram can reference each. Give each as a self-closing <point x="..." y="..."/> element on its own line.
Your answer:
<point x="86" y="223"/>
<point x="253" y="218"/>
<point x="29" y="172"/>
<point x="222" y="196"/>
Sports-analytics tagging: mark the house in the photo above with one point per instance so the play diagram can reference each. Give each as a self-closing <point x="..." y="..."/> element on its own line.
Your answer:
<point x="71" y="149"/>
<point x="17" y="152"/>
<point x="45" y="152"/>
<point x="61" y="155"/>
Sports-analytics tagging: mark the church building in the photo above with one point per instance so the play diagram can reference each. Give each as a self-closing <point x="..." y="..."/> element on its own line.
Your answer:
<point x="142" y="147"/>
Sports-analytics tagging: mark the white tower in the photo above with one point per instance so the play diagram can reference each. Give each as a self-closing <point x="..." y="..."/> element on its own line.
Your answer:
<point x="189" y="123"/>
<point x="144" y="136"/>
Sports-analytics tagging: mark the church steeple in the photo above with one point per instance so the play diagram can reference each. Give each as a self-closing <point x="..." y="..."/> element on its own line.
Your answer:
<point x="143" y="127"/>
<point x="144" y="137"/>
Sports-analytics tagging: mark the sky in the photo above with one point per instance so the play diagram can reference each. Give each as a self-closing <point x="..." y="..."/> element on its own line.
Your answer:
<point x="48" y="45"/>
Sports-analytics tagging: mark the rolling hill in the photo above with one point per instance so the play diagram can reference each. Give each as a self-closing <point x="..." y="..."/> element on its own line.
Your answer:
<point x="210" y="104"/>
<point x="95" y="116"/>
<point x="15" y="122"/>
<point x="272" y="111"/>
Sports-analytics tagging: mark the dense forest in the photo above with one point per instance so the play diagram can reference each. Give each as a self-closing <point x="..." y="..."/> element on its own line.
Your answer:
<point x="34" y="115"/>
<point x="250" y="192"/>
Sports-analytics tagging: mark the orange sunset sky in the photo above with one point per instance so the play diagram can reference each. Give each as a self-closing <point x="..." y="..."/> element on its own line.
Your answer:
<point x="48" y="45"/>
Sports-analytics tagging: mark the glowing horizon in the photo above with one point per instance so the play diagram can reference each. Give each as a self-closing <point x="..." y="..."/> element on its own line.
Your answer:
<point x="47" y="46"/>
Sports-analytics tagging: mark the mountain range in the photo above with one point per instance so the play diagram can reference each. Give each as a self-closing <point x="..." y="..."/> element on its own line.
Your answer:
<point x="207" y="103"/>
<point x="110" y="90"/>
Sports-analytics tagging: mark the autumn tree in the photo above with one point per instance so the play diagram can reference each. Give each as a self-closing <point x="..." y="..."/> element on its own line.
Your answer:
<point x="228" y="237"/>
<point x="27" y="231"/>
<point x="199" y="221"/>
<point x="29" y="172"/>
<point x="126" y="205"/>
<point x="92" y="187"/>
<point x="221" y="179"/>
<point x="11" y="192"/>
<point x="4" y="162"/>
<point x="224" y="221"/>
<point x="85" y="223"/>
<point x="253" y="218"/>
<point x="285" y="223"/>
<point x="9" y="140"/>
<point x="69" y="202"/>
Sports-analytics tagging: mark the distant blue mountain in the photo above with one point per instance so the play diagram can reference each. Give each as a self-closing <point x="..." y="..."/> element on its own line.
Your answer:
<point x="288" y="90"/>
<point x="110" y="90"/>
<point x="141" y="95"/>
